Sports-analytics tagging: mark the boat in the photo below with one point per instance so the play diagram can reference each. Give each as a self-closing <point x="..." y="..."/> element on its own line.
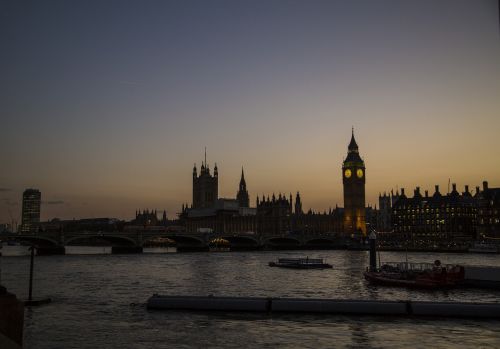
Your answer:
<point x="482" y="247"/>
<point x="301" y="263"/>
<point x="417" y="275"/>
<point x="219" y="245"/>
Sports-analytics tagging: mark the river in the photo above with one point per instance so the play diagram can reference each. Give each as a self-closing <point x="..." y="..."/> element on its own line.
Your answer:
<point x="98" y="301"/>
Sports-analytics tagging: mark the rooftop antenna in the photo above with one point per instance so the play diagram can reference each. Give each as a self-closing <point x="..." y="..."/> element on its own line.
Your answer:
<point x="205" y="156"/>
<point x="449" y="185"/>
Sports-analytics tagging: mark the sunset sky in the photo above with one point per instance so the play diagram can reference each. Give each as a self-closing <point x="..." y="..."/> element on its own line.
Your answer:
<point x="106" y="105"/>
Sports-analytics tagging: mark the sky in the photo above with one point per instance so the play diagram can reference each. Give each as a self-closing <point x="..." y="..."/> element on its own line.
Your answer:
<point x="106" y="105"/>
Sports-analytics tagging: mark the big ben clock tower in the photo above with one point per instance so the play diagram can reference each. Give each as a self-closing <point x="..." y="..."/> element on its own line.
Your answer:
<point x="353" y="177"/>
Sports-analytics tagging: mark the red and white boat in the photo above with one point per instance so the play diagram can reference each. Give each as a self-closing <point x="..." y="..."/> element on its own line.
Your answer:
<point x="417" y="275"/>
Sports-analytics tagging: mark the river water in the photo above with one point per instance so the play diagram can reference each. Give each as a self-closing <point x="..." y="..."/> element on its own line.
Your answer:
<point x="98" y="301"/>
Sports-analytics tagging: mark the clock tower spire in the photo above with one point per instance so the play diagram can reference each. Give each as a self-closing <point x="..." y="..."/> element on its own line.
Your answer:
<point x="353" y="178"/>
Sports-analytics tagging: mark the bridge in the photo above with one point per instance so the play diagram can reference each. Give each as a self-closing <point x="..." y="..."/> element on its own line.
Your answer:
<point x="134" y="241"/>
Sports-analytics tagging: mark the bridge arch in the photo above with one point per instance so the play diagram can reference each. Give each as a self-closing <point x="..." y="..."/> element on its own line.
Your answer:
<point x="320" y="243"/>
<point x="282" y="243"/>
<point x="112" y="239"/>
<point x="160" y="240"/>
<point x="35" y="239"/>
<point x="185" y="243"/>
<point x="241" y="242"/>
<point x="178" y="239"/>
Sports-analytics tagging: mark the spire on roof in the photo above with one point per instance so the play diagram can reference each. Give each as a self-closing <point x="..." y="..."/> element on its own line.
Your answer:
<point x="353" y="146"/>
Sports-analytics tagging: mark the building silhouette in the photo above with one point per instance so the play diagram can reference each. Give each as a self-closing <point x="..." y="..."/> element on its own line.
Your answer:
<point x="242" y="195"/>
<point x="30" y="221"/>
<point x="272" y="215"/>
<point x="386" y="202"/>
<point x="353" y="178"/>
<point x="488" y="212"/>
<point x="205" y="186"/>
<point x="384" y="212"/>
<point x="423" y="221"/>
<point x="298" y="205"/>
<point x="103" y="224"/>
<point x="149" y="218"/>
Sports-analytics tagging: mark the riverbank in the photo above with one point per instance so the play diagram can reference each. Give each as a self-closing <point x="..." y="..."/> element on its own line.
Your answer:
<point x="11" y="320"/>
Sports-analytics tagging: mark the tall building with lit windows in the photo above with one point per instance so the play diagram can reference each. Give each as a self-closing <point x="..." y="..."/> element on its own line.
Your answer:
<point x="32" y="199"/>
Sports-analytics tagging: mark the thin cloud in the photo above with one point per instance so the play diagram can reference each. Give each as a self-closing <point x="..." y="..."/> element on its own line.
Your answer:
<point x="9" y="202"/>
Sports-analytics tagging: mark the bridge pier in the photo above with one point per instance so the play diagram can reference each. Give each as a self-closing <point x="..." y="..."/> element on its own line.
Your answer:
<point x="126" y="249"/>
<point x="50" y="250"/>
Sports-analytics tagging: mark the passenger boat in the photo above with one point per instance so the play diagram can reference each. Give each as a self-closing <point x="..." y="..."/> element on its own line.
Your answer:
<point x="301" y="263"/>
<point x="219" y="245"/>
<point x="417" y="275"/>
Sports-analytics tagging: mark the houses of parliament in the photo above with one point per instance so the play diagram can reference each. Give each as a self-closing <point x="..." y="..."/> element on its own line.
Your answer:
<point x="276" y="214"/>
<point x="439" y="220"/>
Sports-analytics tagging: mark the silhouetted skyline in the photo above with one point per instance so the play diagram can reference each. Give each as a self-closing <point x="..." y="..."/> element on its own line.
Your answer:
<point x="107" y="105"/>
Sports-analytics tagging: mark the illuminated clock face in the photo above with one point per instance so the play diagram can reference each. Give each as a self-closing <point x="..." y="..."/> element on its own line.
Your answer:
<point x="359" y="172"/>
<point x="347" y="173"/>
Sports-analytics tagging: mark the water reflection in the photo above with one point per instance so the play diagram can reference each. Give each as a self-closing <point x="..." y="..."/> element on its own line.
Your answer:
<point x="92" y="295"/>
<point x="10" y="251"/>
<point x="18" y="250"/>
<point x="88" y="249"/>
<point x="360" y="339"/>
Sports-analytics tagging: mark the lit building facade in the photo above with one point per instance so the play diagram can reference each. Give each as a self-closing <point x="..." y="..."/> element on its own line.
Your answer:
<point x="488" y="213"/>
<point x="32" y="199"/>
<point x="434" y="221"/>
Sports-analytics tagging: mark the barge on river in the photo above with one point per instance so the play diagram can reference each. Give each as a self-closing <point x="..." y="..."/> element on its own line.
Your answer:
<point x="301" y="263"/>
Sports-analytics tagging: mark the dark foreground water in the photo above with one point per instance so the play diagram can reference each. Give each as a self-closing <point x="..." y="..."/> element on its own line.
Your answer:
<point x="99" y="302"/>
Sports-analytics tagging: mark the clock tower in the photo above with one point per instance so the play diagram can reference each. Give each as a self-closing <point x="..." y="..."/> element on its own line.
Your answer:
<point x="353" y="178"/>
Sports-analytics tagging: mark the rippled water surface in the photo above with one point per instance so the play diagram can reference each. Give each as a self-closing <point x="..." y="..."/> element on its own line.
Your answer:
<point x="98" y="302"/>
